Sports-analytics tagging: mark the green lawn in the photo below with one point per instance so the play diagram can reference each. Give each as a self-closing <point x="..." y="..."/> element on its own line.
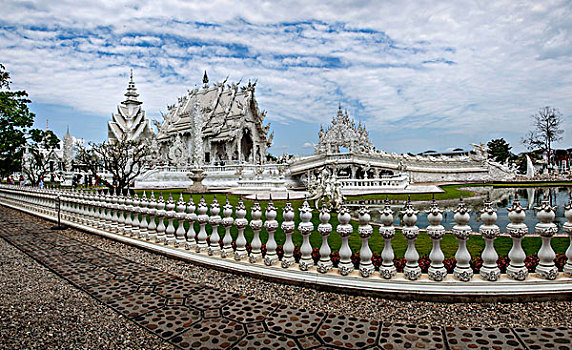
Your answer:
<point x="423" y="243"/>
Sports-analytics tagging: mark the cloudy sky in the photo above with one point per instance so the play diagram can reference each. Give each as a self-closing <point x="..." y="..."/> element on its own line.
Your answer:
<point x="421" y="75"/>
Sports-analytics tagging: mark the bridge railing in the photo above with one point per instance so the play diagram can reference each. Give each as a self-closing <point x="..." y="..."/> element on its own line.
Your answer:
<point x="161" y="222"/>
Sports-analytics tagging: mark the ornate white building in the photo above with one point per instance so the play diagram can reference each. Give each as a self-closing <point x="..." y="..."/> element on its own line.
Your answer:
<point x="218" y="124"/>
<point x="129" y="122"/>
<point x="343" y="133"/>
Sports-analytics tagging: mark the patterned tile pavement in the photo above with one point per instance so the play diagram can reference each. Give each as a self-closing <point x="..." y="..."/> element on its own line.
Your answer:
<point x="193" y="316"/>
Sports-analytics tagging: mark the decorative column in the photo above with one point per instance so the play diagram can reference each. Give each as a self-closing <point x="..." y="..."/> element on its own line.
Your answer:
<point x="135" y="223"/>
<point x="436" y="231"/>
<point x="344" y="229"/>
<point x="288" y="229"/>
<point x="567" y="227"/>
<point x="227" y="222"/>
<point x="462" y="231"/>
<point x="256" y="225"/>
<point x="114" y="213"/>
<point x="240" y="223"/>
<point x="305" y="228"/>
<point x="161" y="213"/>
<point x="128" y="227"/>
<point x="120" y="213"/>
<point x="387" y="231"/>
<point x="271" y="225"/>
<point x="144" y="210"/>
<point x="517" y="230"/>
<point x="325" y="228"/>
<point x="170" y="214"/>
<point x="152" y="227"/>
<point x="191" y="218"/>
<point x="214" y="221"/>
<point x="412" y="270"/>
<point x="181" y="216"/>
<point x="490" y="270"/>
<point x="546" y="229"/>
<point x="365" y="230"/>
<point x="202" y="219"/>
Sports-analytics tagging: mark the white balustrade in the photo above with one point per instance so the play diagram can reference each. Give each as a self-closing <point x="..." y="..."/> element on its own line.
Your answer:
<point x="161" y="213"/>
<point x="240" y="224"/>
<point x="270" y="225"/>
<point x="344" y="229"/>
<point x="227" y="222"/>
<point x="256" y="226"/>
<point x="462" y="231"/>
<point x="171" y="215"/>
<point x="546" y="229"/>
<point x="181" y="216"/>
<point x="325" y="229"/>
<point x="411" y="270"/>
<point x="151" y="233"/>
<point x="202" y="219"/>
<point x="436" y="231"/>
<point x="288" y="229"/>
<point x="365" y="230"/>
<point x="387" y="269"/>
<point x="567" y="227"/>
<point x="214" y="222"/>
<point x="490" y="270"/>
<point x="191" y="219"/>
<point x="517" y="230"/>
<point x="306" y="227"/>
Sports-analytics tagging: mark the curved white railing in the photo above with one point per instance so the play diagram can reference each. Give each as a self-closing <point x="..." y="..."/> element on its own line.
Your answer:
<point x="157" y="225"/>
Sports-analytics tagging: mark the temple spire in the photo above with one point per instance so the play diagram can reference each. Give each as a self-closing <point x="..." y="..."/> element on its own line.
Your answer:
<point x="205" y="78"/>
<point x="131" y="93"/>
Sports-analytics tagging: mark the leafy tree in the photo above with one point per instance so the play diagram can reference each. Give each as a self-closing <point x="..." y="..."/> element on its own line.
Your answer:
<point x="546" y="131"/>
<point x="499" y="150"/>
<point x="122" y="159"/>
<point x="15" y="120"/>
<point x="40" y="158"/>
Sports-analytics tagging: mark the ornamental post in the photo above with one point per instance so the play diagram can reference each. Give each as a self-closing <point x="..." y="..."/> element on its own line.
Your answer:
<point x="288" y="229"/>
<point x="517" y="230"/>
<point x="214" y="221"/>
<point x="387" y="269"/>
<point x="325" y="229"/>
<point x="490" y="270"/>
<point x="170" y="214"/>
<point x="181" y="215"/>
<point x="567" y="227"/>
<point x="344" y="229"/>
<point x="227" y="222"/>
<point x="365" y="230"/>
<point x="412" y="270"/>
<point x="240" y="223"/>
<point x="202" y="219"/>
<point x="256" y="225"/>
<point x="151" y="232"/>
<point x="436" y="231"/>
<point x="271" y="225"/>
<point x="191" y="217"/>
<point x="161" y="213"/>
<point x="462" y="231"/>
<point x="306" y="228"/>
<point x="546" y="229"/>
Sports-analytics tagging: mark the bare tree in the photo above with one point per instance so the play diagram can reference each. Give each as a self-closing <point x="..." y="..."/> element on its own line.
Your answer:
<point x="122" y="159"/>
<point x="40" y="157"/>
<point x="546" y="131"/>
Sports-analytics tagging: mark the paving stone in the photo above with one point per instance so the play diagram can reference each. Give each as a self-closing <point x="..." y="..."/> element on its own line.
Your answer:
<point x="481" y="338"/>
<point x="216" y="333"/>
<point x="294" y="322"/>
<point x="546" y="338"/>
<point x="399" y="336"/>
<point x="309" y="341"/>
<point x="150" y="277"/>
<point x="111" y="290"/>
<point x="208" y="298"/>
<point x="245" y="309"/>
<point x="266" y="341"/>
<point x="137" y="304"/>
<point x="87" y="278"/>
<point x="348" y="332"/>
<point x="169" y="320"/>
<point x="177" y="288"/>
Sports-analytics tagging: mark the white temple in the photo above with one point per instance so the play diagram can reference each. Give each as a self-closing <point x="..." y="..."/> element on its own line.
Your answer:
<point x="129" y="123"/>
<point x="218" y="124"/>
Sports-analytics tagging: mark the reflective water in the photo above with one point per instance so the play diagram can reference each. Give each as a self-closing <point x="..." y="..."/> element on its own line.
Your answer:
<point x="502" y="198"/>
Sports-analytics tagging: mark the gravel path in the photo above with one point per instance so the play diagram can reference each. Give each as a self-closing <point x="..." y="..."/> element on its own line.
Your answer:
<point x="39" y="310"/>
<point x="533" y="314"/>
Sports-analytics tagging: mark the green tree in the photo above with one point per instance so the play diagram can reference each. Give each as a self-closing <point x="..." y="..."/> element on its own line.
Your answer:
<point x="15" y="121"/>
<point x="40" y="159"/>
<point x="499" y="150"/>
<point x="546" y="131"/>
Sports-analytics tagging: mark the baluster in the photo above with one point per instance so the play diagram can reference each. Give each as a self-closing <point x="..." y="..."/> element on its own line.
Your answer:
<point x="365" y="230"/>
<point x="170" y="215"/>
<point x="202" y="219"/>
<point x="108" y="205"/>
<point x="161" y="213"/>
<point x="191" y="218"/>
<point x="436" y="231"/>
<point x="240" y="224"/>
<point x="227" y="222"/>
<point x="546" y="229"/>
<point x="387" y="231"/>
<point x="305" y="227"/>
<point x="325" y="229"/>
<point x="517" y="230"/>
<point x="120" y="213"/>
<point x="462" y="231"/>
<point x="114" y="212"/>
<point x="270" y="225"/>
<point x="412" y="270"/>
<point x="181" y="215"/>
<point x="489" y="231"/>
<point x="135" y="223"/>
<point x="144" y="210"/>
<point x="288" y="229"/>
<point x="128" y="227"/>
<point x="214" y="221"/>
<point x="151" y="234"/>
<point x="567" y="227"/>
<point x="255" y="225"/>
<point x="344" y="229"/>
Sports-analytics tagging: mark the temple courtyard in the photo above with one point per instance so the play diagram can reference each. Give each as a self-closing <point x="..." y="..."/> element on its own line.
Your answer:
<point x="70" y="289"/>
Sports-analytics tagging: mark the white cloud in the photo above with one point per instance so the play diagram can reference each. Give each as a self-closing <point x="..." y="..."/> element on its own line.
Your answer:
<point x="421" y="75"/>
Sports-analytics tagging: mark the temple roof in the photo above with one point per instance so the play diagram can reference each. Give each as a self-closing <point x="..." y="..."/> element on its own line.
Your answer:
<point x="343" y="132"/>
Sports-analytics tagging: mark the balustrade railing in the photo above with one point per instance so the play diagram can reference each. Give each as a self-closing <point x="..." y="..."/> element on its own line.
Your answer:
<point x="153" y="219"/>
